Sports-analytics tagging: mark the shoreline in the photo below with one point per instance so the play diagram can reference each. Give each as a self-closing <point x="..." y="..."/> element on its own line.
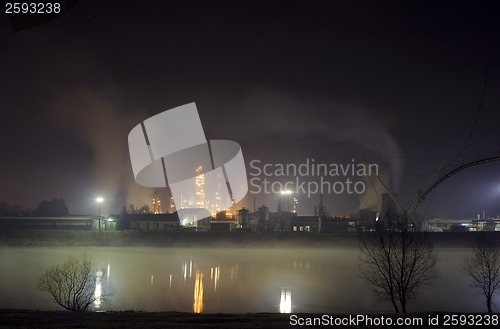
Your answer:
<point x="131" y="238"/>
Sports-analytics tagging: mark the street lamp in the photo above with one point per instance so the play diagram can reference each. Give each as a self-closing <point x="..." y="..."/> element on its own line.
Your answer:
<point x="99" y="200"/>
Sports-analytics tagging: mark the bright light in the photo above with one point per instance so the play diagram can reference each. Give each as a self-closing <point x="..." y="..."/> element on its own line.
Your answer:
<point x="286" y="192"/>
<point x="286" y="301"/>
<point x="99" y="200"/>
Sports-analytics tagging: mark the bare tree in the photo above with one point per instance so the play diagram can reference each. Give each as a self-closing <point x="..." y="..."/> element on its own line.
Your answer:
<point x="73" y="283"/>
<point x="396" y="259"/>
<point x="484" y="268"/>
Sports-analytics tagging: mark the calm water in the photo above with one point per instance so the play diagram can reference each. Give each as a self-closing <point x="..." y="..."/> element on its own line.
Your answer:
<point x="230" y="280"/>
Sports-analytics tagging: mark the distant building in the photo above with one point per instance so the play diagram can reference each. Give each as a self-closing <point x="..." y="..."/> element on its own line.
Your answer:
<point x="224" y="221"/>
<point x="243" y="218"/>
<point x="264" y="220"/>
<point x="278" y="221"/>
<point x="462" y="225"/>
<point x="151" y="222"/>
<point x="85" y="223"/>
<point x="263" y="217"/>
<point x="189" y="217"/>
<point x="305" y="224"/>
<point x="364" y="220"/>
<point x="339" y="224"/>
<point x="217" y="225"/>
<point x="253" y="221"/>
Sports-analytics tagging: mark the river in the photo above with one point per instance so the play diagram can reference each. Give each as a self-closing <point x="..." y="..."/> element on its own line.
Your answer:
<point x="230" y="280"/>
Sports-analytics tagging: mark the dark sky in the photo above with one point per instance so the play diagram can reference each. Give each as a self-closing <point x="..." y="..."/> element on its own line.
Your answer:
<point x="398" y="83"/>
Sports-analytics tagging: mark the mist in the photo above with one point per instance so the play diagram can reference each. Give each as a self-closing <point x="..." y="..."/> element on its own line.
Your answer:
<point x="235" y="280"/>
<point x="270" y="125"/>
<point x="281" y="127"/>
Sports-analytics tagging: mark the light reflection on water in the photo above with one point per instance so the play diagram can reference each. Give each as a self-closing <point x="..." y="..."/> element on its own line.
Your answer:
<point x="102" y="288"/>
<point x="98" y="290"/>
<point x="198" y="293"/>
<point x="286" y="301"/>
<point x="212" y="280"/>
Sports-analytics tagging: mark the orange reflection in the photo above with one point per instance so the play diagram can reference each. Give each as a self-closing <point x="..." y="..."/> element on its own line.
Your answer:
<point x="198" y="293"/>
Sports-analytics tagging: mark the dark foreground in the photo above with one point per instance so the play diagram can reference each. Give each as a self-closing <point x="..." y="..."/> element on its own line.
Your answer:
<point x="124" y="320"/>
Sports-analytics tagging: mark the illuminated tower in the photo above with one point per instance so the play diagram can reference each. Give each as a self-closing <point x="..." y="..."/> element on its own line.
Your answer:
<point x="216" y="206"/>
<point x="156" y="205"/>
<point x="200" y="183"/>
<point x="295" y="205"/>
<point x="172" y="205"/>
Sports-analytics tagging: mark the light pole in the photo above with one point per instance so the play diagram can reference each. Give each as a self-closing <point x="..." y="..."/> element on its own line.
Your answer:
<point x="99" y="200"/>
<point x="284" y="196"/>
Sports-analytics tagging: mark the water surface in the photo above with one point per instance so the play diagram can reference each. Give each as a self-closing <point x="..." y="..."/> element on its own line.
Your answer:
<point x="230" y="280"/>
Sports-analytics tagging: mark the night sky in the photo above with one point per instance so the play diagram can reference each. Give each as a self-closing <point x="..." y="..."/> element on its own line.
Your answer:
<point x="396" y="83"/>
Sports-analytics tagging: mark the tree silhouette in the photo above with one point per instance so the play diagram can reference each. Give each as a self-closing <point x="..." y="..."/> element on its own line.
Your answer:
<point x="483" y="267"/>
<point x="133" y="210"/>
<point x="56" y="207"/>
<point x="72" y="285"/>
<point x="397" y="258"/>
<point x="15" y="210"/>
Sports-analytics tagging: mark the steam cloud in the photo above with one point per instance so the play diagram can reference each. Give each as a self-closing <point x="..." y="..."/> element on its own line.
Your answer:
<point x="353" y="129"/>
<point x="94" y="119"/>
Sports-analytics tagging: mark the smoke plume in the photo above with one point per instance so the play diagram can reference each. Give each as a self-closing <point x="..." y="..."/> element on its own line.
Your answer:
<point x="92" y="117"/>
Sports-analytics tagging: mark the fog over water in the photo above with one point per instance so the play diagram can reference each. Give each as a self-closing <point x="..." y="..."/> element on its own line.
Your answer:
<point x="231" y="280"/>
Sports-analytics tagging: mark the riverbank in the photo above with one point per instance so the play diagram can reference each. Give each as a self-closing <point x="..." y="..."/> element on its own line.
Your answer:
<point x="63" y="238"/>
<point x="129" y="320"/>
<point x="124" y="320"/>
